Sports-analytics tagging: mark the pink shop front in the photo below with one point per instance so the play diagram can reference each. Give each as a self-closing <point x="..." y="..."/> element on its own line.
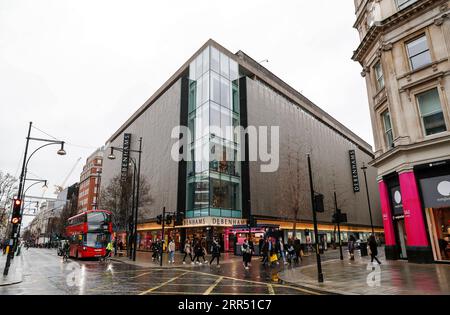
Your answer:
<point x="416" y="213"/>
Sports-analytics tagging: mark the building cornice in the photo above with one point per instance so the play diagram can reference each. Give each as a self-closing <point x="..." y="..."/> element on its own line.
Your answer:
<point x="409" y="147"/>
<point x="398" y="18"/>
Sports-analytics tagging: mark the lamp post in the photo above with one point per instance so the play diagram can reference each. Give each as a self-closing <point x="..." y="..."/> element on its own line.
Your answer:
<point x="14" y="230"/>
<point x="364" y="168"/>
<point x="136" y="179"/>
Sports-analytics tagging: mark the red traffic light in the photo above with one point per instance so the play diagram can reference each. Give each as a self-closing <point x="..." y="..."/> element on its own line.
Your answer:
<point x="15" y="220"/>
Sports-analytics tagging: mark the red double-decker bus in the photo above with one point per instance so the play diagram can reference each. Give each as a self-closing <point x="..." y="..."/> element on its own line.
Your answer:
<point x="89" y="233"/>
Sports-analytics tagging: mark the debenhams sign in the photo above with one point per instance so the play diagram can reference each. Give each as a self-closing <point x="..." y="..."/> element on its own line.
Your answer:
<point x="213" y="221"/>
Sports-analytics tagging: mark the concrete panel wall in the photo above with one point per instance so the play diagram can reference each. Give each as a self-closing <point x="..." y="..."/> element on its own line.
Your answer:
<point x="154" y="126"/>
<point x="276" y="194"/>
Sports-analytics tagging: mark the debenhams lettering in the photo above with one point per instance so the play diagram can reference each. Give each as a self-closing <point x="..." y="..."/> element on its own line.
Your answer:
<point x="214" y="221"/>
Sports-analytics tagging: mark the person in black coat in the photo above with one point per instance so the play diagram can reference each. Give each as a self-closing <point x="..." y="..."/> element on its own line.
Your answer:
<point x="373" y="249"/>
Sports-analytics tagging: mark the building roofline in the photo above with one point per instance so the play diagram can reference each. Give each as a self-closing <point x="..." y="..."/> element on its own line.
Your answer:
<point x="264" y="75"/>
<point x="398" y="17"/>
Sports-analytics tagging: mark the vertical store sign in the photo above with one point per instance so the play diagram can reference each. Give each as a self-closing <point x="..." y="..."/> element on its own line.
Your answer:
<point x="125" y="156"/>
<point x="354" y="169"/>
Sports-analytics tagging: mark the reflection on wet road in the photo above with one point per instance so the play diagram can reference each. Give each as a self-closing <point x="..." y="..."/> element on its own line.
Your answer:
<point x="45" y="273"/>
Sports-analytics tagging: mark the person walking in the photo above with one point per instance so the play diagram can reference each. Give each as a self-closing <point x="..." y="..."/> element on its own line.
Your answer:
<point x="351" y="247"/>
<point x="246" y="254"/>
<point x="198" y="252"/>
<point x="215" y="252"/>
<point x="265" y="252"/>
<point x="373" y="249"/>
<point x="188" y="251"/>
<point x="171" y="249"/>
<point x="282" y="251"/>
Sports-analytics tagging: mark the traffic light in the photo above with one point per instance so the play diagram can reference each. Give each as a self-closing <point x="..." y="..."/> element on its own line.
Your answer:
<point x="168" y="219"/>
<point x="318" y="202"/>
<point x="159" y="220"/>
<point x="16" y="215"/>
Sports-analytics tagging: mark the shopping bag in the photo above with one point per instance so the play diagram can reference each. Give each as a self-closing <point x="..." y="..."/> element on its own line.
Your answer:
<point x="273" y="258"/>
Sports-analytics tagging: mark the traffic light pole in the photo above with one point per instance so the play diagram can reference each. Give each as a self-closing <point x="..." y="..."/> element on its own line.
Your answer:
<point x="13" y="239"/>
<point x="162" y="237"/>
<point x="316" y="233"/>
<point x="338" y="216"/>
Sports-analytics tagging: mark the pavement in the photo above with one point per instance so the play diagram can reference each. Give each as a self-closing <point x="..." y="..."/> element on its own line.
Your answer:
<point x="15" y="274"/>
<point x="360" y="277"/>
<point x="45" y="273"/>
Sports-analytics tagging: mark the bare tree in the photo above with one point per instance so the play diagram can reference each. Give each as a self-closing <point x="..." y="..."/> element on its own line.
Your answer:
<point x="7" y="190"/>
<point x="117" y="198"/>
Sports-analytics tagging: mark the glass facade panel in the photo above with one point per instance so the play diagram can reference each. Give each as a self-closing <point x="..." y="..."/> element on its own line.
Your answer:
<point x="225" y="93"/>
<point x="224" y="66"/>
<point x="214" y="187"/>
<point x="215" y="60"/>
<point x="215" y="87"/>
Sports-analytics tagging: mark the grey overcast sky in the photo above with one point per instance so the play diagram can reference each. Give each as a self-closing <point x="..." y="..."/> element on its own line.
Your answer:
<point x="79" y="69"/>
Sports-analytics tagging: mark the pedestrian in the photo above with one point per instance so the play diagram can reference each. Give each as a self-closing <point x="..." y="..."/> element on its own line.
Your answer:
<point x="246" y="253"/>
<point x="109" y="248"/>
<point x="351" y="247"/>
<point x="171" y="249"/>
<point x="282" y="251"/>
<point x="373" y="249"/>
<point x="215" y="252"/>
<point x="260" y="246"/>
<point x="188" y="251"/>
<point x="204" y="251"/>
<point x="198" y="252"/>
<point x="252" y="250"/>
<point x="297" y="249"/>
<point x="155" y="249"/>
<point x="265" y="252"/>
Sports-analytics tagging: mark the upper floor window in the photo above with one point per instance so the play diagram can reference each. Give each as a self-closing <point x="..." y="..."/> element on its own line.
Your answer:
<point x="401" y="4"/>
<point x="418" y="52"/>
<point x="388" y="135"/>
<point x="431" y="112"/>
<point x="379" y="76"/>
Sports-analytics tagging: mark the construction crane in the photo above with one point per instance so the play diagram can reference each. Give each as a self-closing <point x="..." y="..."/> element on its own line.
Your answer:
<point x="59" y="188"/>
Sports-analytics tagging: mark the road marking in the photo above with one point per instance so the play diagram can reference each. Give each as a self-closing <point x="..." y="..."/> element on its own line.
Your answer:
<point x="163" y="284"/>
<point x="211" y="288"/>
<point x="271" y="291"/>
<point x="256" y="282"/>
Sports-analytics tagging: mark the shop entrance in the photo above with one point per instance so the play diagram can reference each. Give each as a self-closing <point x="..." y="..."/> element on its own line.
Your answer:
<point x="439" y="228"/>
<point x="401" y="238"/>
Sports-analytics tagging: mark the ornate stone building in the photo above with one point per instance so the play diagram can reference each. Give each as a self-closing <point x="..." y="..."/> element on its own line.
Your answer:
<point x="404" y="52"/>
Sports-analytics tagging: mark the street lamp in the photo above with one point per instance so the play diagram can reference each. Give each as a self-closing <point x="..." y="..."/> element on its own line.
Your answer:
<point x="15" y="228"/>
<point x="136" y="181"/>
<point x="364" y="168"/>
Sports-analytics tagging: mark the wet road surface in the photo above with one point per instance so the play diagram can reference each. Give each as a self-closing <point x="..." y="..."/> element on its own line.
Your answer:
<point x="46" y="273"/>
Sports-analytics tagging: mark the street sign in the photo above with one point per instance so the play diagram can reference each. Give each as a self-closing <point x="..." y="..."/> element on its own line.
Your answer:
<point x="354" y="170"/>
<point x="125" y="156"/>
